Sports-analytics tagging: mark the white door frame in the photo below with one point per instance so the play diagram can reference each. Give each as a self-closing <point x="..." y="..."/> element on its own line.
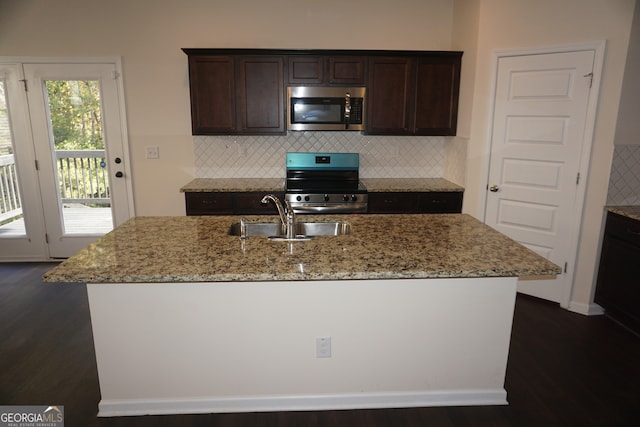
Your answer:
<point x="117" y="63"/>
<point x="32" y="245"/>
<point x="599" y="50"/>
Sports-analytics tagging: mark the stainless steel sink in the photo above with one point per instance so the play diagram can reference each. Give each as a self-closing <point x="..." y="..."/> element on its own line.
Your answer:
<point x="308" y="229"/>
<point x="257" y="229"/>
<point x="323" y="228"/>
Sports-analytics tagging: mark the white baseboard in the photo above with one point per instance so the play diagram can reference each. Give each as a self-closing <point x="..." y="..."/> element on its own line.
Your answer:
<point x="129" y="407"/>
<point x="586" y="309"/>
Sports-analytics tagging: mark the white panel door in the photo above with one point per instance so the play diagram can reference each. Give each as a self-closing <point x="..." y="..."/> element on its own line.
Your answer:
<point x="540" y="112"/>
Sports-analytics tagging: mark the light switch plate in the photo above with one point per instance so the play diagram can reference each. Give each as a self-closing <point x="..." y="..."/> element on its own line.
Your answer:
<point x="151" y="152"/>
<point x="323" y="346"/>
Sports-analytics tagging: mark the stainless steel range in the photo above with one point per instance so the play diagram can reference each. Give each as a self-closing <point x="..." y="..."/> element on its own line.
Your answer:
<point x="325" y="183"/>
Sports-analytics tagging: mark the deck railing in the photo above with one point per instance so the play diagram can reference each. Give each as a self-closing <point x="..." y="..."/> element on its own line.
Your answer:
<point x="83" y="178"/>
<point x="10" y="203"/>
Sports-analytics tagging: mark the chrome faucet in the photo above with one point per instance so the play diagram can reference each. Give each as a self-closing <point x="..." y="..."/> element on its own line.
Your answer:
<point x="287" y="216"/>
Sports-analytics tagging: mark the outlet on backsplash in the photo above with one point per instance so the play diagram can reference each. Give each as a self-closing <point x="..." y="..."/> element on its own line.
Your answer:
<point x="243" y="151"/>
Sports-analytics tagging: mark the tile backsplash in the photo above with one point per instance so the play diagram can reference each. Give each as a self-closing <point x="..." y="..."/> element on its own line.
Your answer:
<point x="624" y="182"/>
<point x="232" y="156"/>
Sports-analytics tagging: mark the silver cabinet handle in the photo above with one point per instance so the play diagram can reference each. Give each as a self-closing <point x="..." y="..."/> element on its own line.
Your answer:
<point x="494" y="188"/>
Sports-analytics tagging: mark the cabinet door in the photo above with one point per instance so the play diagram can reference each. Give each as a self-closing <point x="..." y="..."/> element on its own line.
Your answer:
<point x="389" y="95"/>
<point x="305" y="69"/>
<point x="213" y="106"/>
<point x="346" y="70"/>
<point x="436" y="101"/>
<point x="618" y="288"/>
<point x="389" y="203"/>
<point x="260" y="83"/>
<point x="440" y="202"/>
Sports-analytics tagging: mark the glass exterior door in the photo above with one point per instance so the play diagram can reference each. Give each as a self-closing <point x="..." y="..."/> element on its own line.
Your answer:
<point x="78" y="140"/>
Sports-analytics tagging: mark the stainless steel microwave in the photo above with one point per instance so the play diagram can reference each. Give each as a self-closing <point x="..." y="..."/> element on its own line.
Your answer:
<point x="325" y="108"/>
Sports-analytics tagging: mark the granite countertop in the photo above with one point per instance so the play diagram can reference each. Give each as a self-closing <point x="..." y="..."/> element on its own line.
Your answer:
<point x="276" y="184"/>
<point x="632" y="212"/>
<point x="198" y="249"/>
<point x="205" y="185"/>
<point x="374" y="185"/>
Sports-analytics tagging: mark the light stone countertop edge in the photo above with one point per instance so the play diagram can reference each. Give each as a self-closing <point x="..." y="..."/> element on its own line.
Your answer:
<point x="632" y="212"/>
<point x="199" y="249"/>
<point x="372" y="185"/>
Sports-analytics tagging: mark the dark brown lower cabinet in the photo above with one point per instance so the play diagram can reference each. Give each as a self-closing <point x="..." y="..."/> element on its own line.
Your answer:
<point x="235" y="203"/>
<point x="415" y="202"/>
<point x="618" y="285"/>
<point x="248" y="203"/>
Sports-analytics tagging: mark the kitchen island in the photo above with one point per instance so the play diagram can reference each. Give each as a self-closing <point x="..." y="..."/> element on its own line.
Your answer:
<point x="188" y="319"/>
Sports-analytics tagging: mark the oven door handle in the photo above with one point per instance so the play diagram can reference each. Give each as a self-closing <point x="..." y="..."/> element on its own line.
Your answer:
<point x="334" y="208"/>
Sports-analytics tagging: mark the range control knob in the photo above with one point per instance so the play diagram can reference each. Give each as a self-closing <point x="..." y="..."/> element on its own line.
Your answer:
<point x="307" y="198"/>
<point x="345" y="198"/>
<point x="353" y="198"/>
<point x="298" y="198"/>
<point x="326" y="197"/>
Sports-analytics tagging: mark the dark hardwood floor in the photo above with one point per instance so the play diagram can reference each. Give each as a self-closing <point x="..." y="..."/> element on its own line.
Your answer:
<point x="564" y="369"/>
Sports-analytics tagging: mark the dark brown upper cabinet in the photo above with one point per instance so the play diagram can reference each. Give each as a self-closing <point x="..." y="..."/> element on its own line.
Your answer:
<point x="213" y="94"/>
<point x="413" y="95"/>
<point x="242" y="91"/>
<point x="260" y="92"/>
<point x="389" y="95"/>
<point x="349" y="70"/>
<point x="319" y="69"/>
<point x="237" y="94"/>
<point x="305" y="70"/>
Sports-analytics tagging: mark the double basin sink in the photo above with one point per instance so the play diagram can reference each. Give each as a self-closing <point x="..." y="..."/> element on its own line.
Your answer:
<point x="304" y="230"/>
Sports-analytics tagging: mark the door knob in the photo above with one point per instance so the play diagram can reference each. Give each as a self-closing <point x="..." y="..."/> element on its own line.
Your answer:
<point x="494" y="188"/>
<point x="119" y="174"/>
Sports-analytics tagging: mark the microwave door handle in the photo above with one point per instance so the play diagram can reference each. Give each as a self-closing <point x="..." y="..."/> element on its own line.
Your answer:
<point x="347" y="109"/>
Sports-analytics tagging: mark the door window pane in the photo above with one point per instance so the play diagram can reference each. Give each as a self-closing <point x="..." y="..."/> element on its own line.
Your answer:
<point x="11" y="218"/>
<point x="75" y="116"/>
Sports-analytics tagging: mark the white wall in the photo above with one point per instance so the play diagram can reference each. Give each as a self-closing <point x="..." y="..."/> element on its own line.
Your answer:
<point x="624" y="182"/>
<point x="628" y="125"/>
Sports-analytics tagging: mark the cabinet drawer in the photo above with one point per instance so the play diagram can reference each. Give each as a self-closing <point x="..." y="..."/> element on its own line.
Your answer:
<point x="209" y="203"/>
<point x="448" y="202"/>
<point x="623" y="228"/>
<point x="305" y="69"/>
<point x="393" y="202"/>
<point x="249" y="204"/>
<point x="346" y="70"/>
<point x="416" y="202"/>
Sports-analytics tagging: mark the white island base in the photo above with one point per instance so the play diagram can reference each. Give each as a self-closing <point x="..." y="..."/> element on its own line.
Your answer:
<point x="181" y="348"/>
